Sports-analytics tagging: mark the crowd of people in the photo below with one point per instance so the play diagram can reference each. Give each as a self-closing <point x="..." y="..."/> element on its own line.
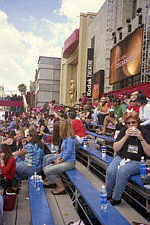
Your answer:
<point x="23" y="151"/>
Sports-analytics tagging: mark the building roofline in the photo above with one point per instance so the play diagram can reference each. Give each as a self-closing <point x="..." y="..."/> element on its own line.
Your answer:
<point x="50" y="57"/>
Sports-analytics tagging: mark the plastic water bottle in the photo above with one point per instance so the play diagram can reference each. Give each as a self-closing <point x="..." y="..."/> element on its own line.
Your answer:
<point x="85" y="143"/>
<point x="38" y="183"/>
<point x="142" y="167"/>
<point x="53" y="149"/>
<point x="103" y="198"/>
<point x="103" y="150"/>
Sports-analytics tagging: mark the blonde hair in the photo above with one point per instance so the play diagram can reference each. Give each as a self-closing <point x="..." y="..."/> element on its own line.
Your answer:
<point x="66" y="130"/>
<point x="133" y="115"/>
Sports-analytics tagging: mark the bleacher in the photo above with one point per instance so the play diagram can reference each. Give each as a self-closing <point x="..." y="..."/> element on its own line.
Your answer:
<point x="92" y="158"/>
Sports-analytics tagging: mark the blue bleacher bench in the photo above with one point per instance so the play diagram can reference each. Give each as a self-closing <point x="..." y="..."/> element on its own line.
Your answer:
<point x="106" y="138"/>
<point x="39" y="206"/>
<point x="92" y="197"/>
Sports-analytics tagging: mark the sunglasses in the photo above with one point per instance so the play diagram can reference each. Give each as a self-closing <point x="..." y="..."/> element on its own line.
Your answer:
<point x="131" y="122"/>
<point x="132" y="101"/>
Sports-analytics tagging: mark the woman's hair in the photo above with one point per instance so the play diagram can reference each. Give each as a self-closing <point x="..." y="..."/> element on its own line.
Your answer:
<point x="8" y="153"/>
<point x="56" y="133"/>
<point x="133" y="115"/>
<point x="66" y="129"/>
<point x="35" y="138"/>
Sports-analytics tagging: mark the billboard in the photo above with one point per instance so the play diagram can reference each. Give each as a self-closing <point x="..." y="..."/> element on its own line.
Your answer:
<point x="126" y="57"/>
<point x="98" y="84"/>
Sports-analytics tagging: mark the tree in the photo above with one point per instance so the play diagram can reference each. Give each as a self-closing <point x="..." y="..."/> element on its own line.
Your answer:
<point x="22" y="89"/>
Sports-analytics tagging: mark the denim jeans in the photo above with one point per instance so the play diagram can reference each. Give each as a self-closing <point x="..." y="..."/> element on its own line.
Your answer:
<point x="117" y="179"/>
<point x="48" y="159"/>
<point x="23" y="171"/>
<point x="52" y="172"/>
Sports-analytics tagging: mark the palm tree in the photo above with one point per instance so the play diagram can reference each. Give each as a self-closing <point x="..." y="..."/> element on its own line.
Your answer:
<point x="22" y="89"/>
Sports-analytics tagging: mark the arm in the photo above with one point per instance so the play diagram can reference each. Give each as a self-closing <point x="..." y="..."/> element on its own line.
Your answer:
<point x="118" y="145"/>
<point x="20" y="153"/>
<point x="145" y="145"/>
<point x="68" y="150"/>
<point x="6" y="168"/>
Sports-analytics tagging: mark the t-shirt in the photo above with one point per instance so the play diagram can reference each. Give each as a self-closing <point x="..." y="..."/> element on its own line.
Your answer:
<point x="132" y="148"/>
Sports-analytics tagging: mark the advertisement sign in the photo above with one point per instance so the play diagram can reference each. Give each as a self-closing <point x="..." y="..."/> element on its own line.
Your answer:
<point x="89" y="72"/>
<point x="98" y="84"/>
<point x="126" y="57"/>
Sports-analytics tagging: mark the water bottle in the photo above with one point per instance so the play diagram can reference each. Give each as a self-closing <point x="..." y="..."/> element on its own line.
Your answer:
<point x="34" y="179"/>
<point x="53" y="149"/>
<point x="103" y="150"/>
<point x="38" y="183"/>
<point x="85" y="143"/>
<point x="142" y="167"/>
<point x="103" y="198"/>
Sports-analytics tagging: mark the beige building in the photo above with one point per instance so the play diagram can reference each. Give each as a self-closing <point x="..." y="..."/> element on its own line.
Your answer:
<point x="74" y="63"/>
<point x="113" y="27"/>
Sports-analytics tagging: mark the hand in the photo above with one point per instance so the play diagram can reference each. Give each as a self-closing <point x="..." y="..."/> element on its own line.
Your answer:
<point x="131" y="131"/>
<point x="138" y="134"/>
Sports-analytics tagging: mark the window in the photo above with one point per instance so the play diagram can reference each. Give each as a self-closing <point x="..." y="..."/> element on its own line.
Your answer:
<point x="93" y="42"/>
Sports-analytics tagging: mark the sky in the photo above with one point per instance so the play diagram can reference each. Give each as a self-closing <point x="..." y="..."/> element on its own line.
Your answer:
<point x="33" y="28"/>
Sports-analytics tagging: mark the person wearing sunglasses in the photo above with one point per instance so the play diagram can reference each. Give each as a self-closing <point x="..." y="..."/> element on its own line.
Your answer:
<point x="133" y="106"/>
<point x="131" y="144"/>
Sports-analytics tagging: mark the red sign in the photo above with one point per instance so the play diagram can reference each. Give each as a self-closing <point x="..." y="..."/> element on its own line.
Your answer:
<point x="71" y="44"/>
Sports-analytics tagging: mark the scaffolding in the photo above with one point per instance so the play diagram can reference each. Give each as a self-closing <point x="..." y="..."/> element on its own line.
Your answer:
<point x="145" y="67"/>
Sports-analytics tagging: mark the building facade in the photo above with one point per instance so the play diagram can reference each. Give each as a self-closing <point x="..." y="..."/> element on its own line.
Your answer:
<point x="47" y="80"/>
<point x="117" y="36"/>
<point x="74" y="63"/>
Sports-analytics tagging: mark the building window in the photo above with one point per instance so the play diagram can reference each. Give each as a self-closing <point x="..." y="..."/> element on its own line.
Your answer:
<point x="134" y="7"/>
<point x="93" y="42"/>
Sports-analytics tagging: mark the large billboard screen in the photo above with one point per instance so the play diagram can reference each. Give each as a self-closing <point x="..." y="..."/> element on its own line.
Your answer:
<point x="126" y="57"/>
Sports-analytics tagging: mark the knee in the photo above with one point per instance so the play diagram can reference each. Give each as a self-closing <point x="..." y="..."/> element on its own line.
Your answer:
<point x="109" y="171"/>
<point x="123" y="173"/>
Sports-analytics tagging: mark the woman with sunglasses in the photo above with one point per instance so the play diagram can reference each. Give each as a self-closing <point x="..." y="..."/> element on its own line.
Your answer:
<point x="131" y="144"/>
<point x="133" y="106"/>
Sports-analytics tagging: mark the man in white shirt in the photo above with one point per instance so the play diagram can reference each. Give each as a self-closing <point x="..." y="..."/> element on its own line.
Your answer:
<point x="144" y="111"/>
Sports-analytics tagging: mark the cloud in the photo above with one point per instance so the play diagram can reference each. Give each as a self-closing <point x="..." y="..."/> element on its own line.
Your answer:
<point x="71" y="9"/>
<point x="20" y="50"/>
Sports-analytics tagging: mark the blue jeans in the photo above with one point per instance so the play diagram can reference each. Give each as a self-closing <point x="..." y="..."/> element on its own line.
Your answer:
<point x="117" y="179"/>
<point x="23" y="171"/>
<point x="52" y="171"/>
<point x="48" y="159"/>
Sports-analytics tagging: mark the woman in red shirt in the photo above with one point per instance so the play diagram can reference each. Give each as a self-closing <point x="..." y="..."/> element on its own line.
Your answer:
<point x="7" y="166"/>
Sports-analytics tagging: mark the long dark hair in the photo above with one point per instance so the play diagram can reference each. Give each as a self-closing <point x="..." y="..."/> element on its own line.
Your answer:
<point x="35" y="138"/>
<point x="8" y="153"/>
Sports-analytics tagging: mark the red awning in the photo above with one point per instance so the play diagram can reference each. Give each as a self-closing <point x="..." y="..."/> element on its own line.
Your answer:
<point x="11" y="103"/>
<point x="144" y="87"/>
<point x="71" y="44"/>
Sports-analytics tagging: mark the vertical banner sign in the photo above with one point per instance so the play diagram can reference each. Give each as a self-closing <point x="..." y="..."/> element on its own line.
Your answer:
<point x="89" y="72"/>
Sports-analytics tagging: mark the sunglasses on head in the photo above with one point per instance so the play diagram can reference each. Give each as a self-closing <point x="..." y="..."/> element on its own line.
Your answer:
<point x="131" y="122"/>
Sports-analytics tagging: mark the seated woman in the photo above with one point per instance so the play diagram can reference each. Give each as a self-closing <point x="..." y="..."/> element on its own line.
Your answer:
<point x="33" y="153"/>
<point x="65" y="160"/>
<point x="109" y="120"/>
<point x="131" y="144"/>
<point x="7" y="167"/>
